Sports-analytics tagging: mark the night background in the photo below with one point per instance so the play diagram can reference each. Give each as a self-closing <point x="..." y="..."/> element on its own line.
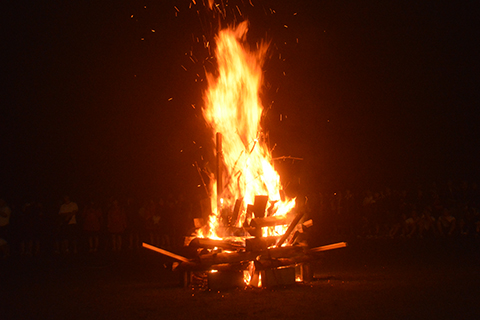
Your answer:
<point x="102" y="100"/>
<point x="97" y="96"/>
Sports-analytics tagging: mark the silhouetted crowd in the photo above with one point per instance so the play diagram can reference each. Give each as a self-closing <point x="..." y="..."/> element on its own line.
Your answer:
<point x="436" y="211"/>
<point x="113" y="225"/>
<point x="118" y="225"/>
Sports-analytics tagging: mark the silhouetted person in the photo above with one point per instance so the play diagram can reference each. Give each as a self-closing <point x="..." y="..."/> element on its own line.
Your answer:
<point x="117" y="223"/>
<point x="5" y="213"/>
<point x="92" y="224"/>
<point x="68" y="225"/>
<point x="446" y="224"/>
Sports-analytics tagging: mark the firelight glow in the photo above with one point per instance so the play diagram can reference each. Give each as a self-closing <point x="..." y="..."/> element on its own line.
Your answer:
<point x="234" y="109"/>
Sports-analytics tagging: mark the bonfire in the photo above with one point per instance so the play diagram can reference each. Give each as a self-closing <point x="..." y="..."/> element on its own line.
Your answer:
<point x="251" y="236"/>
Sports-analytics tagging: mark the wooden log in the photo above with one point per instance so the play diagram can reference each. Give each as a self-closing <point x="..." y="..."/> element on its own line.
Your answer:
<point x="214" y="243"/>
<point x="274" y="277"/>
<point x="263" y="264"/>
<point x="259" y="206"/>
<point x="300" y="230"/>
<point x="209" y="259"/>
<point x="270" y="221"/>
<point x="233" y="257"/>
<point x="236" y="211"/>
<point x="332" y="246"/>
<point x="242" y="265"/>
<point x="248" y="216"/>
<point x="283" y="252"/>
<point x="291" y="227"/>
<point x="260" y="244"/>
<point x="165" y="252"/>
<point x="219" y="168"/>
<point x="294" y="238"/>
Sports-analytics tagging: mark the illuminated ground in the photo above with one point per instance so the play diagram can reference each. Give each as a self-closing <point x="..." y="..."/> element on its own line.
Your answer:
<point x="371" y="279"/>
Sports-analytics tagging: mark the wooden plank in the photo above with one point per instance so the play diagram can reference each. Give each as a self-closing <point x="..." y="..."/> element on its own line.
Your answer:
<point x="291" y="227"/>
<point x="270" y="221"/>
<point x="210" y="259"/>
<point x="165" y="252"/>
<point x="332" y="246"/>
<point x="212" y="243"/>
<point x="259" y="206"/>
<point x="236" y="211"/>
<point x="283" y="252"/>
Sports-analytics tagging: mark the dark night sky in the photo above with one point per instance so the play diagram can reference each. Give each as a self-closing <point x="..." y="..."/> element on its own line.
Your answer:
<point x="376" y="93"/>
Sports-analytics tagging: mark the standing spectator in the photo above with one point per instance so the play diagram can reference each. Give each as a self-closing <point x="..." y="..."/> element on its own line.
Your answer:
<point x="142" y="224"/>
<point x="446" y="224"/>
<point x="92" y="223"/>
<point x="68" y="224"/>
<point x="117" y="223"/>
<point x="153" y="223"/>
<point x="5" y="213"/>
<point x="427" y="224"/>
<point x="411" y="224"/>
<point x="134" y="224"/>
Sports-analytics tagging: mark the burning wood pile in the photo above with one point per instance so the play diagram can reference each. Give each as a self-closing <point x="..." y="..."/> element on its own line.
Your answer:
<point x="255" y="260"/>
<point x="253" y="232"/>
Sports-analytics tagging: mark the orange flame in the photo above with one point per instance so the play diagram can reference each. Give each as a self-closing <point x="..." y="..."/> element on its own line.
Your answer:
<point x="233" y="108"/>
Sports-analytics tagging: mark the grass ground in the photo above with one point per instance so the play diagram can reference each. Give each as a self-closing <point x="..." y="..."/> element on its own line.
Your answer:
<point x="371" y="279"/>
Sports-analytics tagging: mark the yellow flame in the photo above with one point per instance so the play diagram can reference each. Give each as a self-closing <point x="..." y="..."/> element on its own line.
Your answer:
<point x="234" y="109"/>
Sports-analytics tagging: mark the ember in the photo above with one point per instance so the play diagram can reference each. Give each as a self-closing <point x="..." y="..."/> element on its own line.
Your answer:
<point x="253" y="228"/>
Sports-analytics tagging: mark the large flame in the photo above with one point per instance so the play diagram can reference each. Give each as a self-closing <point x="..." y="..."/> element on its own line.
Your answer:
<point x="233" y="108"/>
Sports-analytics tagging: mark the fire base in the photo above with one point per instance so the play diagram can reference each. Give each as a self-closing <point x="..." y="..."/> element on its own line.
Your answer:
<point x="225" y="280"/>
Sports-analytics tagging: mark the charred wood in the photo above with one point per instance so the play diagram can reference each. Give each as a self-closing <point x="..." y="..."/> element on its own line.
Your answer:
<point x="259" y="206"/>
<point x="213" y="243"/>
<point x="291" y="227"/>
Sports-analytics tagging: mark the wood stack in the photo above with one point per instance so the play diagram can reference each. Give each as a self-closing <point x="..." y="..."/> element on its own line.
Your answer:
<point x="258" y="257"/>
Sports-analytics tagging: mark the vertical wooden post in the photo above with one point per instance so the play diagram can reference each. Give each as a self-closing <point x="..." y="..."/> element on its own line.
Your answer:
<point x="219" y="168"/>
